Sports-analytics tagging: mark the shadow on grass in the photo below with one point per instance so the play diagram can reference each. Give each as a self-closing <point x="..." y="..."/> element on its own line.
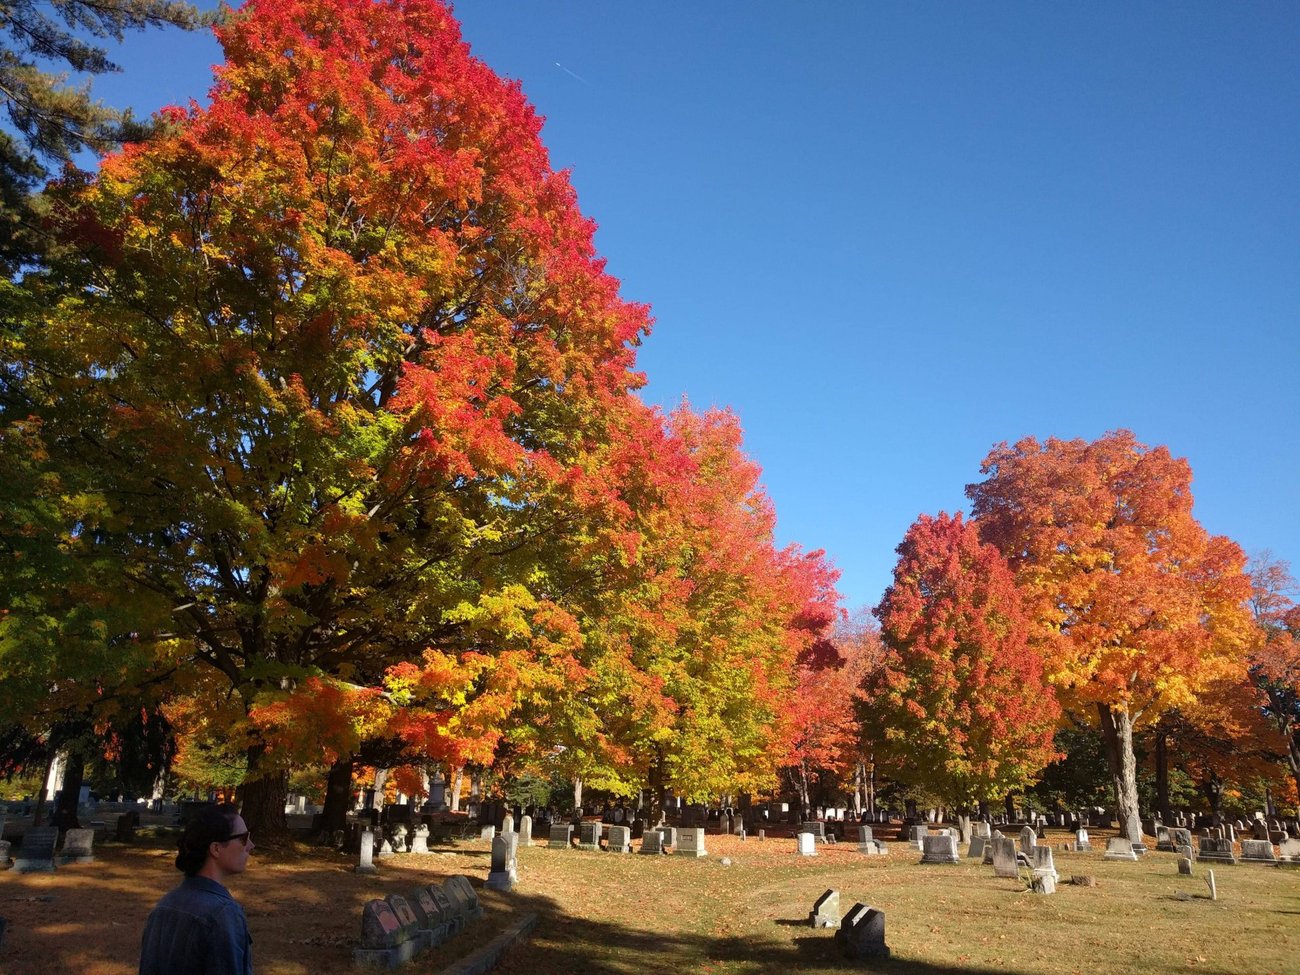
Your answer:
<point x="562" y="943"/>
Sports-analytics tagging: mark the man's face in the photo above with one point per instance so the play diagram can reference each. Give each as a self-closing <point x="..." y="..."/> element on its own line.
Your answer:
<point x="232" y="855"/>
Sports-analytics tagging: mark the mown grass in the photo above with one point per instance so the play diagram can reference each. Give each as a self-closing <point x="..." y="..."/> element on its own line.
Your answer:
<point x="606" y="913"/>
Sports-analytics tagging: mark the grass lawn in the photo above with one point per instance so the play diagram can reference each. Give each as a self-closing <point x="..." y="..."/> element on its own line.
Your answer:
<point x="611" y="913"/>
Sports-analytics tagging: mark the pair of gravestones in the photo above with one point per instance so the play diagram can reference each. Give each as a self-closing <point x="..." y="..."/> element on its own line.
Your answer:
<point x="860" y="933"/>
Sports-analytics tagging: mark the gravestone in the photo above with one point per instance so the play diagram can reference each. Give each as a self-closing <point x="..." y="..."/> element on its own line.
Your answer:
<point x="504" y="874"/>
<point x="1180" y="837"/>
<point x="487" y="832"/>
<point x="981" y="828"/>
<point x="1289" y="850"/>
<point x="1164" y="840"/>
<point x="940" y="848"/>
<point x="817" y="829"/>
<point x="474" y="911"/>
<point x="37" y="851"/>
<point x="917" y="835"/>
<point x="978" y="844"/>
<point x="620" y="839"/>
<point x="826" y="911"/>
<point x="806" y="844"/>
<point x="866" y="937"/>
<point x="525" y="830"/>
<point x="367" y="861"/>
<point x="1252" y="851"/>
<point x="384" y="941"/>
<point x="420" y="839"/>
<point x="1119" y="848"/>
<point x="429" y="916"/>
<point x="1042" y="861"/>
<point x="690" y="842"/>
<point x="1215" y="848"/>
<point x="1043" y="882"/>
<point x="405" y="915"/>
<point x="669" y="834"/>
<point x="1028" y="840"/>
<point x="448" y="910"/>
<point x="78" y="847"/>
<point x="652" y="841"/>
<point x="385" y="847"/>
<point x="508" y="823"/>
<point x="589" y="835"/>
<point x="1185" y="866"/>
<point x="399" y="838"/>
<point x="125" y="830"/>
<point x="865" y="838"/>
<point x="1005" y="863"/>
<point x="561" y="837"/>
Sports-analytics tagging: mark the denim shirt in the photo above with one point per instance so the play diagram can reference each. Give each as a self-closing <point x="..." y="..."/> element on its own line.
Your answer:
<point x="197" y="929"/>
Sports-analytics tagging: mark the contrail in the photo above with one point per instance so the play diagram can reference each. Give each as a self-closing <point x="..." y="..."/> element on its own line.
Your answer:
<point x="570" y="73"/>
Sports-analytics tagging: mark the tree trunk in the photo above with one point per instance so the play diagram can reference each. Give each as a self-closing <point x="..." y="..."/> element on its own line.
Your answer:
<point x="65" y="808"/>
<point x="381" y="785"/>
<point x="38" y="816"/>
<point x="338" y="796"/>
<point x="577" y="795"/>
<point x="805" y="800"/>
<point x="457" y="780"/>
<point x="1010" y="803"/>
<point x="1117" y="733"/>
<point x="871" y="787"/>
<point x="262" y="800"/>
<point x="857" y="790"/>
<point x="1162" y="776"/>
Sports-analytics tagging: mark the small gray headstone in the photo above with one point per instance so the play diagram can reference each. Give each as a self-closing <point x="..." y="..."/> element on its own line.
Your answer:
<point x="504" y="874"/>
<point x="525" y="830"/>
<point x="826" y="911"/>
<point x="1005" y="863"/>
<point x="1043" y="882"/>
<point x="420" y="839"/>
<point x="652" y="841"/>
<point x="561" y="837"/>
<point x="940" y="848"/>
<point x="1215" y="848"/>
<point x="690" y="842"/>
<point x="1119" y="848"/>
<point x="78" y="846"/>
<point x="37" y="851"/>
<point x="589" y="835"/>
<point x="806" y="844"/>
<point x="620" y="840"/>
<point x="1252" y="851"/>
<point x="1028" y="840"/>
<point x="1185" y="866"/>
<point x="367" y="861"/>
<point x="669" y="834"/>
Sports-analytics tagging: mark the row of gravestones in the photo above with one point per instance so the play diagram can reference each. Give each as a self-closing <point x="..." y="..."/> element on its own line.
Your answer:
<point x="683" y="841"/>
<point x="396" y="929"/>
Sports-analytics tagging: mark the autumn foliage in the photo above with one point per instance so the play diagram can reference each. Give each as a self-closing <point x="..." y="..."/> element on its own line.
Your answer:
<point x="962" y="694"/>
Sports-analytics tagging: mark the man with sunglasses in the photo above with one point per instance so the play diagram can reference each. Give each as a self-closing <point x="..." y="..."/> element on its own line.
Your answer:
<point x="198" y="928"/>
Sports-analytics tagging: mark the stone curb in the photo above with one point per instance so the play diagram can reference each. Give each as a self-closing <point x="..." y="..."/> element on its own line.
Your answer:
<point x="485" y="958"/>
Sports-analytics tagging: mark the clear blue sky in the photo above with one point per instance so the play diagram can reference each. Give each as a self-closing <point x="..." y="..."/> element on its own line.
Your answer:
<point x="890" y="235"/>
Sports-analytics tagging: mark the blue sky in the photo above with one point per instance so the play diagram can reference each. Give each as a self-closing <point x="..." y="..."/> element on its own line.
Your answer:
<point x="892" y="235"/>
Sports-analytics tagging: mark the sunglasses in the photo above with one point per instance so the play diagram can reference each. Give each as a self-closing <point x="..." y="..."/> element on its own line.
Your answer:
<point x="242" y="837"/>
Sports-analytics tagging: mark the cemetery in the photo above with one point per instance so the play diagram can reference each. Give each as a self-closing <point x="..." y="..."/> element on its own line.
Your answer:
<point x="552" y="906"/>
<point x="355" y="554"/>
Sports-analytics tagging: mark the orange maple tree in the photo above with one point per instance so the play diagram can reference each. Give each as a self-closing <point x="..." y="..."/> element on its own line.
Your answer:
<point x="967" y="712"/>
<point x="1137" y="607"/>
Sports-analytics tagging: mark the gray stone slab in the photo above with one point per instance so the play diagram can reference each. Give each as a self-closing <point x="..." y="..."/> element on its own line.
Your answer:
<point x="1119" y="848"/>
<point x="36" y="854"/>
<point x="939" y="848"/>
<point x="561" y="836"/>
<point x="826" y="911"/>
<point x="690" y="842"/>
<point x="78" y="847"/>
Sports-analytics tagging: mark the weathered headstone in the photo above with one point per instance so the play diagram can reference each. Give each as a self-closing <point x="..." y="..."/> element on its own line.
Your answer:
<point x="451" y="914"/>
<point x="429" y="916"/>
<point x="1215" y="848"/>
<point x="866" y="937"/>
<point x="384" y="941"/>
<point x="1005" y="863"/>
<point x="1028" y="840"/>
<point x="487" y="832"/>
<point x="1185" y="866"/>
<point x="1209" y="882"/>
<point x="124" y="832"/>
<point x="561" y="836"/>
<point x="620" y="839"/>
<point x="1119" y="848"/>
<point x="367" y="861"/>
<point x="508" y="823"/>
<point x="1164" y="840"/>
<point x="826" y="911"/>
<point x="690" y="842"/>
<point x="504" y="874"/>
<point x="467" y="893"/>
<point x="1289" y="851"/>
<point x="940" y="848"/>
<point x="589" y="835"/>
<point x="1180" y="837"/>
<point x="978" y="844"/>
<point x="525" y="830"/>
<point x="37" y="851"/>
<point x="78" y="847"/>
<point x="1081" y="842"/>
<point x="652" y="841"/>
<point x="1252" y="851"/>
<point x="1041" y="861"/>
<point x="1043" y="881"/>
<point x="669" y="834"/>
<point x="806" y="844"/>
<point x="420" y="839"/>
<point x="917" y="835"/>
